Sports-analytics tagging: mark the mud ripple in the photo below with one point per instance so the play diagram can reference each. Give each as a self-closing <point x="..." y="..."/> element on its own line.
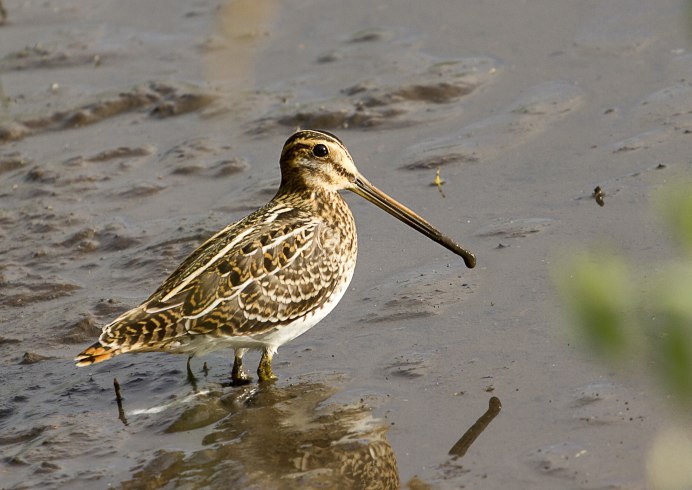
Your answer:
<point x="122" y="152"/>
<point x="21" y="435"/>
<point x="7" y="341"/>
<point x="515" y="228"/>
<point x="83" y="330"/>
<point x="138" y="190"/>
<point x="11" y="162"/>
<point x="109" y="308"/>
<point x="77" y="175"/>
<point x="335" y="118"/>
<point x="33" y="358"/>
<point x="110" y="238"/>
<point x="370" y="35"/>
<point x="19" y="294"/>
<point x="417" y="296"/>
<point x="616" y="32"/>
<point x="668" y="102"/>
<point x="39" y="56"/>
<point x="600" y="403"/>
<point x="390" y="102"/>
<point x="409" y="366"/>
<point x="441" y="161"/>
<point x="202" y="156"/>
<point x="160" y="256"/>
<point x="557" y="460"/>
<point x="641" y="141"/>
<point x="162" y="100"/>
<point x="522" y="121"/>
<point x="670" y="108"/>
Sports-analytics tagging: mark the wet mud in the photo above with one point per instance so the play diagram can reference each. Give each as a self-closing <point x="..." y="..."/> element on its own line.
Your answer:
<point x="130" y="135"/>
<point x="158" y="100"/>
<point x="376" y="104"/>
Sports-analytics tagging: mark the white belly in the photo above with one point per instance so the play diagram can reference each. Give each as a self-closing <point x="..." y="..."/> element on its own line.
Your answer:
<point x="289" y="332"/>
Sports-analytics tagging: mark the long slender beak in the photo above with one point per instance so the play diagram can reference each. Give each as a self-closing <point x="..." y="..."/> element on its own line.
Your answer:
<point x="365" y="189"/>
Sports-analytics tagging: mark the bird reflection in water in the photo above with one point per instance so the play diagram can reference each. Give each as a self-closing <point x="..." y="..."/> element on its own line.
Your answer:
<point x="275" y="437"/>
<point x="271" y="436"/>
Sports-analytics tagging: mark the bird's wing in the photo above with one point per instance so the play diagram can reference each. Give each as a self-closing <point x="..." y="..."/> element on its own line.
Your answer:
<point x="263" y="272"/>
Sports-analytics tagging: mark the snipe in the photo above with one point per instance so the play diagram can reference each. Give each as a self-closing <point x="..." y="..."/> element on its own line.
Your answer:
<point x="268" y="278"/>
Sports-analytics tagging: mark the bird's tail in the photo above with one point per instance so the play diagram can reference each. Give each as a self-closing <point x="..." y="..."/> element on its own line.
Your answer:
<point x="137" y="330"/>
<point x="96" y="353"/>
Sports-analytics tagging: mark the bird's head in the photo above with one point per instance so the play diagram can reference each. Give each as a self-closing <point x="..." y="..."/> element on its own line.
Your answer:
<point x="319" y="161"/>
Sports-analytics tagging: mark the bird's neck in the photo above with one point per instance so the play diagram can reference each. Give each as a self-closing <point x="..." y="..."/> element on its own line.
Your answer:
<point x="315" y="200"/>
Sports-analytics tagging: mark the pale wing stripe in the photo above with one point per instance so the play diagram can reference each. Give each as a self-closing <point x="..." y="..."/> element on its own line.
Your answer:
<point x="279" y="209"/>
<point x="237" y="289"/>
<point x="209" y="308"/>
<point x="199" y="270"/>
<point x="217" y="301"/>
<point x="276" y="212"/>
<point x="225" y="250"/>
<point x="151" y="311"/>
<point x="280" y="239"/>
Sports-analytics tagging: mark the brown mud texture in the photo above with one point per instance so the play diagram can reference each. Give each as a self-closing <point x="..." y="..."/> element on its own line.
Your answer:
<point x="132" y="131"/>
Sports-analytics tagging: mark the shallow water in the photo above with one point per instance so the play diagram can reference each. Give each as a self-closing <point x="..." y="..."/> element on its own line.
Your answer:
<point x="129" y="133"/>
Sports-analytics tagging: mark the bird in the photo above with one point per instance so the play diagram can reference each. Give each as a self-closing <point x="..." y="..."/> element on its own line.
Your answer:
<point x="266" y="279"/>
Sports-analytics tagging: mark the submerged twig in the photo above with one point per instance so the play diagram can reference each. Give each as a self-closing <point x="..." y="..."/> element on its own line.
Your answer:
<point x="119" y="400"/>
<point x="463" y="444"/>
<point x="191" y="378"/>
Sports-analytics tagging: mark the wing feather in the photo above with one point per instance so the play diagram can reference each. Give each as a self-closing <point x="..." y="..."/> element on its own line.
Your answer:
<point x="237" y="283"/>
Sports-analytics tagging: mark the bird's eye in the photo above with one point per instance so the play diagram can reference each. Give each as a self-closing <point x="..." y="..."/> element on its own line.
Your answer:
<point x="320" y="151"/>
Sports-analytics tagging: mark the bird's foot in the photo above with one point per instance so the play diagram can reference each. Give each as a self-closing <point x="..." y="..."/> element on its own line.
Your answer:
<point x="264" y="371"/>
<point x="238" y="375"/>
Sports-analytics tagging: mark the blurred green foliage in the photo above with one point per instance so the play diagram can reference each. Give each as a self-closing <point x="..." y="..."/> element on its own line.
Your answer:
<point x="598" y="298"/>
<point x="627" y="317"/>
<point x="675" y="205"/>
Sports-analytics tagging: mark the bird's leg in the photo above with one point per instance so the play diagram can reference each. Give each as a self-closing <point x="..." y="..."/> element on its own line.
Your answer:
<point x="238" y="375"/>
<point x="264" y="371"/>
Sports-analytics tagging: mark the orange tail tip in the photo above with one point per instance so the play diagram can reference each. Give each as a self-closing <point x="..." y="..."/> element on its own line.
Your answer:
<point x="95" y="353"/>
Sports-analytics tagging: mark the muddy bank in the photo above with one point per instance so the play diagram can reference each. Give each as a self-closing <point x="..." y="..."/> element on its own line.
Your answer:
<point x="131" y="133"/>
